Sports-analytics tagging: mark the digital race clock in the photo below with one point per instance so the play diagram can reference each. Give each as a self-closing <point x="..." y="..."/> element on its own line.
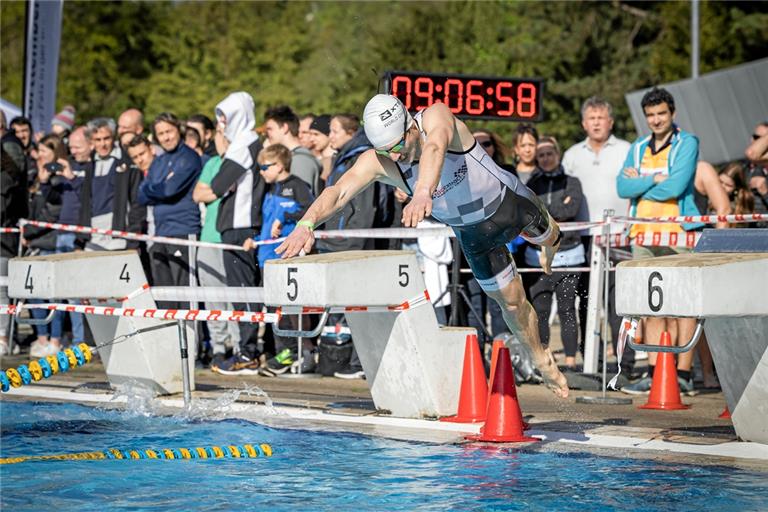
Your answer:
<point x="476" y="97"/>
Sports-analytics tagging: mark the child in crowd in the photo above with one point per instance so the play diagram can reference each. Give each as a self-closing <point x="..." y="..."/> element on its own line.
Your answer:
<point x="285" y="202"/>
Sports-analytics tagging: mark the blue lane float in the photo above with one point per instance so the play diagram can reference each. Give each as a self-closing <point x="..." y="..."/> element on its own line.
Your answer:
<point x="35" y="371"/>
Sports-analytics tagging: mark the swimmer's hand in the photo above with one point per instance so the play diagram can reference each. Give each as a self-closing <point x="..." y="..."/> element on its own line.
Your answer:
<point x="419" y="207"/>
<point x="301" y="239"/>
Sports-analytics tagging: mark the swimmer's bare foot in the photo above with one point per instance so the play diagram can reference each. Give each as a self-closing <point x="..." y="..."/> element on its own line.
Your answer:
<point x="547" y="256"/>
<point x="553" y="377"/>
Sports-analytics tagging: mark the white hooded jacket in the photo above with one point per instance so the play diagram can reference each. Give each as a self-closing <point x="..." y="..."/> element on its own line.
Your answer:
<point x="236" y="114"/>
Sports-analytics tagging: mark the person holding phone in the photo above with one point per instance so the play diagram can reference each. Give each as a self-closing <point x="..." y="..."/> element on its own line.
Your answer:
<point x="45" y="205"/>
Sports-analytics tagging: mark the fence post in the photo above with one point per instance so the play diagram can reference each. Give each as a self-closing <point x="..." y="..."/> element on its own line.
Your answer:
<point x="184" y="350"/>
<point x="594" y="305"/>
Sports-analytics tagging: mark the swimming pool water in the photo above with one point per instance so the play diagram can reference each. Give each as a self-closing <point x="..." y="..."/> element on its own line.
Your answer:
<point x="330" y="471"/>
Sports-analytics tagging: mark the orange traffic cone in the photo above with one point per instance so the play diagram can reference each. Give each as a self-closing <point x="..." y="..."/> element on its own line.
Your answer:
<point x="665" y="391"/>
<point x="726" y="414"/>
<point x="503" y="424"/>
<point x="473" y="396"/>
<point x="498" y="344"/>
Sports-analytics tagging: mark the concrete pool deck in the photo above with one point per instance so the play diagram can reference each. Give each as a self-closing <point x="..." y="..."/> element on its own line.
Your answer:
<point x="693" y="436"/>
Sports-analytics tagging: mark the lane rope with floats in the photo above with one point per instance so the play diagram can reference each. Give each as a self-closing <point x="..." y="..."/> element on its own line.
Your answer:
<point x="244" y="451"/>
<point x="62" y="361"/>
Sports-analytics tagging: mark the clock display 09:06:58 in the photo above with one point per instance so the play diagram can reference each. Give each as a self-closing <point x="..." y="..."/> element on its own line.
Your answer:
<point x="513" y="99"/>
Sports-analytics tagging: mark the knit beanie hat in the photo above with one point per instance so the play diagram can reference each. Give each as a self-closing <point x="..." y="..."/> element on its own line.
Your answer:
<point x="65" y="118"/>
<point x="322" y="124"/>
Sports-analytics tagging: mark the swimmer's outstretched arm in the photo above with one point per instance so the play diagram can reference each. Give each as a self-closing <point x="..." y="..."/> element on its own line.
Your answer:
<point x="439" y="125"/>
<point x="365" y="171"/>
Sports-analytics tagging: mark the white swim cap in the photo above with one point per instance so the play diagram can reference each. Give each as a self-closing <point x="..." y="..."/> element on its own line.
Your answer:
<point x="385" y="120"/>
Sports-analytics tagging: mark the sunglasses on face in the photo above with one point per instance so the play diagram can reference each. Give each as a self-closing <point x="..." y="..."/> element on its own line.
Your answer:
<point x="397" y="148"/>
<point x="264" y="167"/>
<point x="486" y="143"/>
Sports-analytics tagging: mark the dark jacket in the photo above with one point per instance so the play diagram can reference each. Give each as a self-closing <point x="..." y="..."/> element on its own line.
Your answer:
<point x="14" y="149"/>
<point x="70" y="191"/>
<point x="14" y="203"/>
<point x="45" y="206"/>
<point x="554" y="188"/>
<point x="360" y="212"/>
<point x="168" y="187"/>
<point x="127" y="213"/>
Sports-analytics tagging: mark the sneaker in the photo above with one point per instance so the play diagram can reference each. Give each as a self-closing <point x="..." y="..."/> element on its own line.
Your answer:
<point x="641" y="387"/>
<point x="218" y="360"/>
<point x="308" y="363"/>
<point x="38" y="350"/>
<point x="237" y="365"/>
<point x="279" y="364"/>
<point x="686" y="386"/>
<point x="349" y="373"/>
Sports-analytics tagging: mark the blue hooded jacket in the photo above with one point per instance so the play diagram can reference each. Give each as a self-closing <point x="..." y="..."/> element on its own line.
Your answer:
<point x="683" y="156"/>
<point x="286" y="201"/>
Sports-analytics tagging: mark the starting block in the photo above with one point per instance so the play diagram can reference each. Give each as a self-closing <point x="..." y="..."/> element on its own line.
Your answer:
<point x="413" y="365"/>
<point x="150" y="358"/>
<point x="727" y="290"/>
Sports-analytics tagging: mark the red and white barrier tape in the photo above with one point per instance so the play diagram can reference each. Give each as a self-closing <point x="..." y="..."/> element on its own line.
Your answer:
<point x="306" y="310"/>
<point x="384" y="233"/>
<point x="212" y="315"/>
<point x="706" y="219"/>
<point x="159" y="314"/>
<point x="652" y="239"/>
<point x="127" y="235"/>
<point x="7" y="309"/>
<point x="336" y="331"/>
<point x="444" y="231"/>
<point x="526" y="270"/>
<point x="135" y="293"/>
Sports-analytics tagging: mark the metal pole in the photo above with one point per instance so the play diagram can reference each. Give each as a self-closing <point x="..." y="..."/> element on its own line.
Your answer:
<point x="607" y="215"/>
<point x="300" y="358"/>
<point x="192" y="266"/>
<point x="12" y="321"/>
<point x="184" y="362"/>
<point x="454" y="285"/>
<point x="300" y="352"/>
<point x="603" y="399"/>
<point x="694" y="38"/>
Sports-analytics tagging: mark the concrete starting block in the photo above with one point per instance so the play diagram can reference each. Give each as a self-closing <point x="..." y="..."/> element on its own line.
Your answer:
<point x="413" y="365"/>
<point x="152" y="358"/>
<point x="729" y="291"/>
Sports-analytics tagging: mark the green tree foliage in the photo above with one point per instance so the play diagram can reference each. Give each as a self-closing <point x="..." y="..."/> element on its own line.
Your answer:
<point x="318" y="56"/>
<point x="12" y="50"/>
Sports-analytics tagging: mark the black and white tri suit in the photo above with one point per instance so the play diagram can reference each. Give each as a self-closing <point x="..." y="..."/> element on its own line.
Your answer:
<point x="487" y="207"/>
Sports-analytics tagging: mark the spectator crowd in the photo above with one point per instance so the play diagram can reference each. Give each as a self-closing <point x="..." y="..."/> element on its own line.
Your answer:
<point x="238" y="179"/>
